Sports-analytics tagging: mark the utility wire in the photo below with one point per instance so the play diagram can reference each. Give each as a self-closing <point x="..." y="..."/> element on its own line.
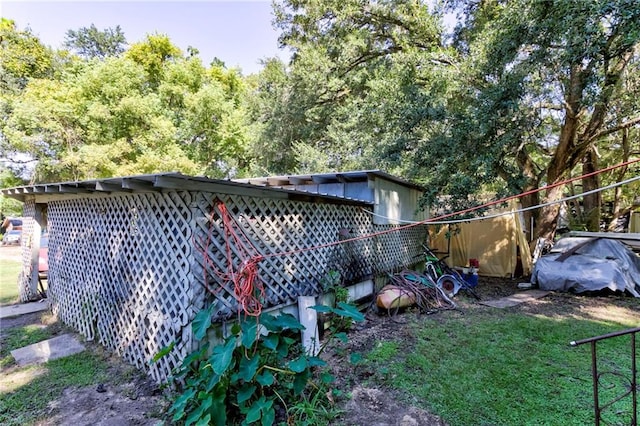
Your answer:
<point x="538" y="206"/>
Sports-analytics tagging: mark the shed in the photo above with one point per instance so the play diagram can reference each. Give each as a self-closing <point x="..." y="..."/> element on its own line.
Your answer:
<point x="133" y="259"/>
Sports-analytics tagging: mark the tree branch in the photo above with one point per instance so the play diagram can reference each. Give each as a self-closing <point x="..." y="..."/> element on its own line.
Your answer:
<point x="617" y="128"/>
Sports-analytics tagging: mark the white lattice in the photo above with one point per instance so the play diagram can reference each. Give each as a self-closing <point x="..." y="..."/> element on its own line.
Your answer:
<point x="24" y="285"/>
<point x="127" y="269"/>
<point x="277" y="226"/>
<point x="120" y="272"/>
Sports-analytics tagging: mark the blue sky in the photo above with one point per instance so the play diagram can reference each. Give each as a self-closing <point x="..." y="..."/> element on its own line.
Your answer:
<point x="238" y="32"/>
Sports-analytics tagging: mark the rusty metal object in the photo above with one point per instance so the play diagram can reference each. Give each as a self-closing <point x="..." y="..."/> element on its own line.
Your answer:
<point x="633" y="388"/>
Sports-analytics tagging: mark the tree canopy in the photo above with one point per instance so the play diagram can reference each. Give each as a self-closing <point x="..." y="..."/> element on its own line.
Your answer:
<point x="90" y="42"/>
<point x="516" y="95"/>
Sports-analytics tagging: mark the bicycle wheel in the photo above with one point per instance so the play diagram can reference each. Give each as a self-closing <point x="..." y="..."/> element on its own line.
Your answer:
<point x="449" y="284"/>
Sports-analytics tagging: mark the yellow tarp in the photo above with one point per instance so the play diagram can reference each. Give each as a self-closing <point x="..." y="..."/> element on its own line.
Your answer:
<point x="634" y="222"/>
<point x="497" y="243"/>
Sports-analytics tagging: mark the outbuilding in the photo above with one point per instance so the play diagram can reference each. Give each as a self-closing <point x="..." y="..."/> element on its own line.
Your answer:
<point x="133" y="259"/>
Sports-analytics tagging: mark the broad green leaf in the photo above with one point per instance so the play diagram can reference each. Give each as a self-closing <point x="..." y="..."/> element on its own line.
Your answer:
<point x="322" y="308"/>
<point x="299" y="364"/>
<point x="195" y="355"/>
<point x="300" y="382"/>
<point x="219" y="407"/>
<point x="236" y="329"/>
<point x="349" y="311"/>
<point x="253" y="415"/>
<point x="269" y="322"/>
<point x="284" y="345"/>
<point x="249" y="332"/>
<point x="355" y="358"/>
<point x="197" y="414"/>
<point x="315" y="361"/>
<point x="201" y="323"/>
<point x="163" y="352"/>
<point x="204" y="421"/>
<point x="288" y="322"/>
<point x="271" y="341"/>
<point x="212" y="381"/>
<point x="342" y="336"/>
<point x="265" y="378"/>
<point x="180" y="404"/>
<point x="222" y="355"/>
<point x="327" y="378"/>
<point x="245" y="393"/>
<point x="248" y="367"/>
<point x="268" y="416"/>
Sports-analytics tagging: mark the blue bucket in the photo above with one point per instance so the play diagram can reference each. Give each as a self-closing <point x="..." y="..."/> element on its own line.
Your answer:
<point x="471" y="279"/>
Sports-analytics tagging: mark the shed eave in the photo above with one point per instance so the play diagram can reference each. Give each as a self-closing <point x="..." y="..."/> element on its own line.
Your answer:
<point x="166" y="181"/>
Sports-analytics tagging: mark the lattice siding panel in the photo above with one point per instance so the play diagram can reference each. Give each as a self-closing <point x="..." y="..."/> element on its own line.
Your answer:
<point x="120" y="272"/>
<point x="24" y="280"/>
<point x="279" y="226"/>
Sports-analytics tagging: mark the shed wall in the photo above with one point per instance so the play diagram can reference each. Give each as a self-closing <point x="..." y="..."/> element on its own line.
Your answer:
<point x="295" y="237"/>
<point x="128" y="269"/>
<point x="119" y="272"/>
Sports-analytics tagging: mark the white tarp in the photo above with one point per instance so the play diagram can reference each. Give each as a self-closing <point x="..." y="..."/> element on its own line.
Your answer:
<point x="580" y="264"/>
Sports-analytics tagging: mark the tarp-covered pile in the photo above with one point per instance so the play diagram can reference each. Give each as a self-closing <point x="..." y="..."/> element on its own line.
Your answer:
<point x="588" y="264"/>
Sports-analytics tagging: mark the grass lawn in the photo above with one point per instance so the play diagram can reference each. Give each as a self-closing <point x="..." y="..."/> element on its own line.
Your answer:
<point x="487" y="366"/>
<point x="9" y="281"/>
<point x="25" y="392"/>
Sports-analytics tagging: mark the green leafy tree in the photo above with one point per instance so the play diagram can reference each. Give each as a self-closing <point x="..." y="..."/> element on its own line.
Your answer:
<point x="546" y="76"/>
<point x="90" y="42"/>
<point x="522" y="94"/>
<point x="153" y="54"/>
<point x="316" y="112"/>
<point x="22" y="56"/>
<point x="99" y="122"/>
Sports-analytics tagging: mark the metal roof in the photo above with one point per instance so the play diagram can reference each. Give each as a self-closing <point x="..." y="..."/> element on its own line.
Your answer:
<point x="167" y="181"/>
<point x="322" y="178"/>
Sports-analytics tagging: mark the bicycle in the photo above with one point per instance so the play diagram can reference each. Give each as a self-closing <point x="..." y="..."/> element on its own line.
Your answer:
<point x="445" y="277"/>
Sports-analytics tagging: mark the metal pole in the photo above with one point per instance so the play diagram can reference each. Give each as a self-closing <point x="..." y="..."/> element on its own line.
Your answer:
<point x="634" y="382"/>
<point x="594" y="373"/>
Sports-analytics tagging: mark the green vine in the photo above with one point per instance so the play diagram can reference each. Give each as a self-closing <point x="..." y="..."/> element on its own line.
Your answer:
<point x="260" y="374"/>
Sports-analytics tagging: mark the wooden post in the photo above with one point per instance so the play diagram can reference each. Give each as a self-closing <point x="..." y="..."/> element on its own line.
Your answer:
<point x="309" y="318"/>
<point x="35" y="251"/>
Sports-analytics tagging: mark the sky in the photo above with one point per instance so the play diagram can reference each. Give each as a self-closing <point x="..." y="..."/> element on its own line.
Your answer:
<point x="239" y="33"/>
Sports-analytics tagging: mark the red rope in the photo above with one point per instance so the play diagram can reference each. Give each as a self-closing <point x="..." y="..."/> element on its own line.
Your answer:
<point x="248" y="287"/>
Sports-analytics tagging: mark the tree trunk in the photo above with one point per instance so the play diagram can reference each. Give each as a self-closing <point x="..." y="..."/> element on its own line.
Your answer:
<point x="560" y="163"/>
<point x="591" y="203"/>
<point x="617" y="209"/>
<point x="533" y="181"/>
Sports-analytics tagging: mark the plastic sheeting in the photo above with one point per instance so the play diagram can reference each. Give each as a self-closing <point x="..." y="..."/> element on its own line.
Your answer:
<point x="588" y="264"/>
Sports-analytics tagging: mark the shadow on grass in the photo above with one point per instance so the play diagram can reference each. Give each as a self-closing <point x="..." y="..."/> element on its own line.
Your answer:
<point x="29" y="401"/>
<point x="512" y="366"/>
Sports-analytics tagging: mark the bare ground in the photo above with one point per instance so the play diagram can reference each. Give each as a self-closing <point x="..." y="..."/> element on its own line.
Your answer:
<point x="130" y="398"/>
<point x="384" y="407"/>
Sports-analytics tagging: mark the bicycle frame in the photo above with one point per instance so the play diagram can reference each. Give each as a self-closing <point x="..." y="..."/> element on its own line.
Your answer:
<point x="446" y="277"/>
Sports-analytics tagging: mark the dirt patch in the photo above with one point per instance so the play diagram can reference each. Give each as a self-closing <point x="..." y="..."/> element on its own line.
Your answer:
<point x="127" y="397"/>
<point x="130" y="398"/>
<point x="133" y="403"/>
<point x="371" y="405"/>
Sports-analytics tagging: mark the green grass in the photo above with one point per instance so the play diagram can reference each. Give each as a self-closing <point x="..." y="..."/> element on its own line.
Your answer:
<point x="9" y="281"/>
<point x="501" y="367"/>
<point x="18" y="337"/>
<point x="27" y="401"/>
